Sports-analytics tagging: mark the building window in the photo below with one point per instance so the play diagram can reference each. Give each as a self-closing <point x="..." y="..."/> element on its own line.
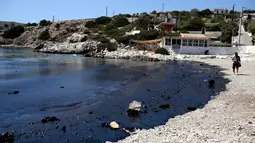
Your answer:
<point x="195" y="44"/>
<point x="206" y="44"/>
<point x="190" y="42"/>
<point x="174" y="41"/>
<point x="201" y="43"/>
<point x="184" y="42"/>
<point x="168" y="42"/>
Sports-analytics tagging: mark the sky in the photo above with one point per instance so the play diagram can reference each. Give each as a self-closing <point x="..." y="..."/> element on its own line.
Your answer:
<point x="35" y="10"/>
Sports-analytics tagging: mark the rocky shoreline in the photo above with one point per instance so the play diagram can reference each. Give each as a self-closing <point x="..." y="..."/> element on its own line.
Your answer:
<point x="79" y="43"/>
<point x="16" y="46"/>
<point x="228" y="117"/>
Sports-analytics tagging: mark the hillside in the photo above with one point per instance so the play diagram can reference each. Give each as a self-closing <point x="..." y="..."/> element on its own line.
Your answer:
<point x="2" y="23"/>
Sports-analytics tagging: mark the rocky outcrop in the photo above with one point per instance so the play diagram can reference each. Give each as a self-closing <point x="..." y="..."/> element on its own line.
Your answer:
<point x="127" y="53"/>
<point x="77" y="38"/>
<point x="88" y="46"/>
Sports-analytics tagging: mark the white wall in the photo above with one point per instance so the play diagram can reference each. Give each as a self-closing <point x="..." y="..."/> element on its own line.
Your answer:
<point x="201" y="50"/>
<point x="247" y="49"/>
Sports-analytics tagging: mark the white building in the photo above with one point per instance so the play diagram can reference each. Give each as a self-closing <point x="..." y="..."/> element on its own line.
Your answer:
<point x="196" y="44"/>
<point x="220" y="11"/>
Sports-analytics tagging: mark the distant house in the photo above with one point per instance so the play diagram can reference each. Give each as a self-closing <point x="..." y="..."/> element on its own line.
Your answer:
<point x="246" y="15"/>
<point x="220" y="11"/>
<point x="164" y="17"/>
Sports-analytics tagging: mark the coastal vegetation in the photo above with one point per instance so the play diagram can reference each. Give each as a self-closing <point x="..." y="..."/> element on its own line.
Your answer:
<point x="162" y="51"/>
<point x="44" y="35"/>
<point x="117" y="26"/>
<point x="13" y="32"/>
<point x="45" y="22"/>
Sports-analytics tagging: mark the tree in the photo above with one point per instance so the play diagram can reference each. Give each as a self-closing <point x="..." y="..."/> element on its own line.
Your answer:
<point x="143" y="22"/>
<point x="228" y="30"/>
<point x="6" y="25"/>
<point x="251" y="27"/>
<point x="154" y="12"/>
<point x="205" y="13"/>
<point x="245" y="24"/>
<point x="195" y="24"/>
<point x="175" y="13"/>
<point x="194" y="12"/>
<point x="103" y="20"/>
<point x="120" y="21"/>
<point x="45" y="22"/>
<point x="31" y="24"/>
<point x="147" y="35"/>
<point x="14" y="32"/>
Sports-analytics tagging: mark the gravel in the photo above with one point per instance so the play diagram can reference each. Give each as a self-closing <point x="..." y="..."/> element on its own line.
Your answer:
<point x="228" y="117"/>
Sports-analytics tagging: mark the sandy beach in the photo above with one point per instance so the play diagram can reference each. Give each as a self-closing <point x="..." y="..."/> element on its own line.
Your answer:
<point x="228" y="118"/>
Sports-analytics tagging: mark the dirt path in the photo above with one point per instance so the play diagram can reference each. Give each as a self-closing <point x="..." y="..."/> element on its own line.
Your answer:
<point x="229" y="117"/>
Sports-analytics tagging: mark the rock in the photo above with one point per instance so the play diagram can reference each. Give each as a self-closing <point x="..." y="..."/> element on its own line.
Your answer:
<point x="39" y="46"/>
<point x="211" y="83"/>
<point x="31" y="123"/>
<point x="191" y="108"/>
<point x="62" y="87"/>
<point x="14" y="92"/>
<point x="89" y="46"/>
<point x="135" y="105"/>
<point x="64" y="129"/>
<point x="77" y="38"/>
<point x="114" y="125"/>
<point x="91" y="112"/>
<point x="49" y="119"/>
<point x="164" y="106"/>
<point x="6" y="138"/>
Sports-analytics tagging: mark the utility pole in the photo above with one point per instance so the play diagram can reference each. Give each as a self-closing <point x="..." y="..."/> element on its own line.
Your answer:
<point x="233" y="14"/>
<point x="106" y="11"/>
<point x="163" y="6"/>
<point x="240" y="25"/>
<point x="179" y="22"/>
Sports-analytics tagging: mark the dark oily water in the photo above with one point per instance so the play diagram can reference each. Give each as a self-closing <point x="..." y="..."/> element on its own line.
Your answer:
<point x="85" y="93"/>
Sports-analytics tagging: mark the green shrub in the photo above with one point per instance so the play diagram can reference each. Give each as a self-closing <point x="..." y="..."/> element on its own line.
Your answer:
<point x="90" y="24"/>
<point x="57" y="26"/>
<point x="103" y="20"/>
<point x="120" y="21"/>
<point x="45" y="22"/>
<point x="44" y="35"/>
<point x="124" y="39"/>
<point x="147" y="35"/>
<point x="103" y="40"/>
<point x="141" y="47"/>
<point x="31" y="24"/>
<point x="251" y="27"/>
<point x="161" y="51"/>
<point x="14" y="32"/>
<point x="111" y="47"/>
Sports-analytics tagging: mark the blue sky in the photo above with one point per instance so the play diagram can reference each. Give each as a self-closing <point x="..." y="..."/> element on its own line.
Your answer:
<point x="35" y="10"/>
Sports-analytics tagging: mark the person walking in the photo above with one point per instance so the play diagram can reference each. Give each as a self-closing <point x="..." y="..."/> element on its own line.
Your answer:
<point x="236" y="63"/>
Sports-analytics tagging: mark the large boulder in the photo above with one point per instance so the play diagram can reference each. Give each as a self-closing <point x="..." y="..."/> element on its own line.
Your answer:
<point x="89" y="46"/>
<point x="134" y="108"/>
<point x="77" y="38"/>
